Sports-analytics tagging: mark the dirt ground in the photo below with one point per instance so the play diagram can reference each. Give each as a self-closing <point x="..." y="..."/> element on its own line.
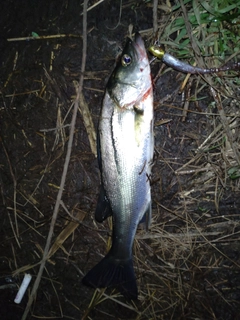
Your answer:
<point x="188" y="264"/>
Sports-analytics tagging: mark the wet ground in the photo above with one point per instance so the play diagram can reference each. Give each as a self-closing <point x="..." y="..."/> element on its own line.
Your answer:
<point x="188" y="264"/>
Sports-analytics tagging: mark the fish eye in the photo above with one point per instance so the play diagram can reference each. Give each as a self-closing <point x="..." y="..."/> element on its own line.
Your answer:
<point x="126" y="60"/>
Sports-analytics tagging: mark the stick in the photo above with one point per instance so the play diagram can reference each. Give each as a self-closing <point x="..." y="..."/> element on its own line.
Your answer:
<point x="93" y="6"/>
<point x="155" y="17"/>
<point x="65" y="169"/>
<point x="54" y="36"/>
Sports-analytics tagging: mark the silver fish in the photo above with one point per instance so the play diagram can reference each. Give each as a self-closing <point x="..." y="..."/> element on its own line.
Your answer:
<point x="125" y="146"/>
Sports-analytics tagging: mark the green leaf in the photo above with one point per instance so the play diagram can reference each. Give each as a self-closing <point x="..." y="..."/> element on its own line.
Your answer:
<point x="229" y="8"/>
<point x="197" y="12"/>
<point x="182" y="34"/>
<point x="234" y="172"/>
<point x="35" y="35"/>
<point x="208" y="8"/>
<point x="179" y="5"/>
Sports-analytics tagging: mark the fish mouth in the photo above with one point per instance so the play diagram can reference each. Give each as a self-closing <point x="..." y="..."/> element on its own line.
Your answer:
<point x="139" y="46"/>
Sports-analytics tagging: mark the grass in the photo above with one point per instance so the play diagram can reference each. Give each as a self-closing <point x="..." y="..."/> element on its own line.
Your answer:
<point x="214" y="25"/>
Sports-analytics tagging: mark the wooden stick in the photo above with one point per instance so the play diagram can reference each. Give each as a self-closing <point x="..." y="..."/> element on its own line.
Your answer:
<point x="65" y="169"/>
<point x="54" y="36"/>
<point x="93" y="6"/>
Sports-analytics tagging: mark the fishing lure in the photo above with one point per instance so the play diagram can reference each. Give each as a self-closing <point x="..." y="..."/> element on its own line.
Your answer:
<point x="171" y="61"/>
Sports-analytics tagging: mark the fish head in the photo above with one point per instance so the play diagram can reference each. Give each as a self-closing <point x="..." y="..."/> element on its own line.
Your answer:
<point x="131" y="79"/>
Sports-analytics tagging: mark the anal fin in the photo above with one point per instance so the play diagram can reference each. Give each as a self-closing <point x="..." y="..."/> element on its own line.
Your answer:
<point x="103" y="209"/>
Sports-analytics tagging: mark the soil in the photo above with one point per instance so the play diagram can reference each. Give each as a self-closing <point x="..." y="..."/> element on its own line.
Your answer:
<point x="37" y="90"/>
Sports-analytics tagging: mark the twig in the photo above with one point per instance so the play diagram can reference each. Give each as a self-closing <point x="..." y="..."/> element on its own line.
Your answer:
<point x="65" y="169"/>
<point x="88" y="122"/>
<point x="93" y="6"/>
<point x="225" y="124"/>
<point x="155" y="18"/>
<point x="190" y="34"/>
<point x="54" y="36"/>
<point x="187" y="98"/>
<point x="215" y="131"/>
<point x="66" y="232"/>
<point x="15" y="232"/>
<point x="21" y="93"/>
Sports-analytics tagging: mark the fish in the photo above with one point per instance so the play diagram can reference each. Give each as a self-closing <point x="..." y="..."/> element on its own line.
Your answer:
<point x="125" y="153"/>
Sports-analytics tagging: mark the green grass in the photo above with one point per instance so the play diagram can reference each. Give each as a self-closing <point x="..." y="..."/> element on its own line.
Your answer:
<point x="215" y="27"/>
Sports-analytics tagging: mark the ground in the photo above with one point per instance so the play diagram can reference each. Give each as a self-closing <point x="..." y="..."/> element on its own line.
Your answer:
<point x="188" y="263"/>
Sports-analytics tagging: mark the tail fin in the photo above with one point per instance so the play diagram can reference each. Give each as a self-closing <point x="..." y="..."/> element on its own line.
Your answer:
<point x="112" y="272"/>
